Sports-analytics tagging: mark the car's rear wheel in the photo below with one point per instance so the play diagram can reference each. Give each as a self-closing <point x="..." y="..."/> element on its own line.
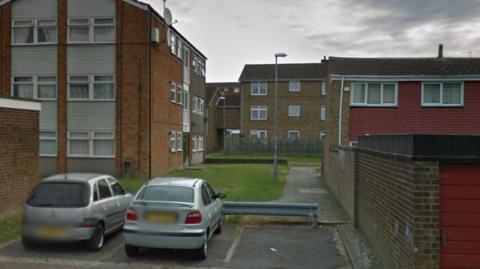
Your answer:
<point x="27" y="243"/>
<point x="96" y="242"/>
<point x="220" y="224"/>
<point x="201" y="253"/>
<point x="132" y="251"/>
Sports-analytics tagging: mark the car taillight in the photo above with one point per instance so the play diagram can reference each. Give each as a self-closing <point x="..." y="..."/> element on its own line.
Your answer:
<point x="88" y="225"/>
<point x="132" y="215"/>
<point x="193" y="217"/>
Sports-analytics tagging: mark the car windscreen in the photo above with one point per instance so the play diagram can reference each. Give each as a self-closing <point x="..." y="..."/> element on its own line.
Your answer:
<point x="60" y="194"/>
<point x="167" y="193"/>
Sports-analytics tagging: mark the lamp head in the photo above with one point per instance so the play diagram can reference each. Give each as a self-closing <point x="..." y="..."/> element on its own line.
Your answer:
<point x="281" y="54"/>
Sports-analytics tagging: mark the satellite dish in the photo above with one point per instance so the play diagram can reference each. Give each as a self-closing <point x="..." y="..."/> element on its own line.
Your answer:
<point x="167" y="15"/>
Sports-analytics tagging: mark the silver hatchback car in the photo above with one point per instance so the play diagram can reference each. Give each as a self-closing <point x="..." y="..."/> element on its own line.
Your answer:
<point x="173" y="213"/>
<point x="75" y="207"/>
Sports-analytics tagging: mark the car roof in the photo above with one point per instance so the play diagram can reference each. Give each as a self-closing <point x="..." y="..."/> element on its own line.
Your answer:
<point x="85" y="177"/>
<point x="174" y="181"/>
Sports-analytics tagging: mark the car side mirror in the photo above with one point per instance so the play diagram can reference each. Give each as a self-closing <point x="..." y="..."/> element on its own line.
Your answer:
<point x="220" y="195"/>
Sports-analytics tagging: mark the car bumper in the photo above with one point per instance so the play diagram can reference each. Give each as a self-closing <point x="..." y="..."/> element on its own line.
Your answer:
<point x="186" y="239"/>
<point x="71" y="234"/>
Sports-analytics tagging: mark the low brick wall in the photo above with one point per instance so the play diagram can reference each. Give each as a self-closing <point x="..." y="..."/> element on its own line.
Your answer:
<point x="398" y="209"/>
<point x="339" y="175"/>
<point x="18" y="156"/>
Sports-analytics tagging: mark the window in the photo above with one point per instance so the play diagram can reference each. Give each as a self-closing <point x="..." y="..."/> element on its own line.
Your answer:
<point x="294" y="111"/>
<point x="179" y="51"/>
<point x="205" y="196"/>
<point x="173" y="43"/>
<point x="48" y="143"/>
<point x="293" y="135"/>
<point x="88" y="88"/>
<point x="42" y="88"/>
<point x="294" y="86"/>
<point x="322" y="135"/>
<point x="323" y="112"/>
<point x="374" y="94"/>
<point x="104" y="189"/>
<point x="116" y="187"/>
<point x="194" y="144"/>
<point x="259" y="134"/>
<point x="442" y="94"/>
<point x="186" y="99"/>
<point x="179" y="142"/>
<point x="200" y="143"/>
<point x="34" y="31"/>
<point x="91" y="30"/>
<point x="173" y="92"/>
<point x="236" y="90"/>
<point x="259" y="88"/>
<point x="91" y="144"/>
<point x="258" y="113"/>
<point x="172" y="137"/>
<point x="201" y="106"/>
<point x="179" y="94"/>
<point x="186" y="57"/>
<point x="324" y="89"/>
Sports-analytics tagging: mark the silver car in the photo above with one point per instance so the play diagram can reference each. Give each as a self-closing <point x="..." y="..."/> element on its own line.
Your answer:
<point x="75" y="207"/>
<point x="173" y="213"/>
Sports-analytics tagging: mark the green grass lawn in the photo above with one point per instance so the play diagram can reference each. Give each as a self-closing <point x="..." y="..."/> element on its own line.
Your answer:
<point x="302" y="160"/>
<point x="240" y="182"/>
<point x="10" y="228"/>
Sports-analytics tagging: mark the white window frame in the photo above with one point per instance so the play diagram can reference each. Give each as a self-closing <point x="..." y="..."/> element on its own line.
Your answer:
<point x="91" y="139"/>
<point x="179" y="141"/>
<point x="258" y="109"/>
<point x="194" y="143"/>
<point x="179" y="94"/>
<point x="441" y="104"/>
<point x="172" y="141"/>
<point x="91" y="30"/>
<point x="291" y="132"/>
<point x="35" y="84"/>
<point x="292" y="86"/>
<point x="91" y="87"/>
<point x="323" y="112"/>
<point x="365" y="100"/>
<point x="290" y="111"/>
<point x="324" y="89"/>
<point x="35" y="25"/>
<point x="256" y="133"/>
<point x="322" y="134"/>
<point x="200" y="143"/>
<point x="255" y="87"/>
<point x="48" y="138"/>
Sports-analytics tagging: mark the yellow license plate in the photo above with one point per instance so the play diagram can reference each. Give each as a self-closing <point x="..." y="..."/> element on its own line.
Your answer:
<point x="162" y="217"/>
<point x="53" y="232"/>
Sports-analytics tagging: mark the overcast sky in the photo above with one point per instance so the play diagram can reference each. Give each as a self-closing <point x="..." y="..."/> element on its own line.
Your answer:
<point x="232" y="33"/>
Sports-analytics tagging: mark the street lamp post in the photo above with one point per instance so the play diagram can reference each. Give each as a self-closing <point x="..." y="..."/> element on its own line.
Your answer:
<point x="224" y="98"/>
<point x="275" y="116"/>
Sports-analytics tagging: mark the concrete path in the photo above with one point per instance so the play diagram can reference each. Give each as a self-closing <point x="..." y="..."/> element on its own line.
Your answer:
<point x="304" y="186"/>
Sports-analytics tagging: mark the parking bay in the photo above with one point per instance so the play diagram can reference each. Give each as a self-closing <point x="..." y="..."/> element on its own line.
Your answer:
<point x="238" y="246"/>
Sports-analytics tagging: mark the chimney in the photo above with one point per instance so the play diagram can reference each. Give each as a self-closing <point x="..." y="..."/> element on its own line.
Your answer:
<point x="324" y="59"/>
<point x="440" y="51"/>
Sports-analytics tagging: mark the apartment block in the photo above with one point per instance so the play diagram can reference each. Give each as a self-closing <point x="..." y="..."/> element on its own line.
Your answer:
<point x="115" y="80"/>
<point x="302" y="96"/>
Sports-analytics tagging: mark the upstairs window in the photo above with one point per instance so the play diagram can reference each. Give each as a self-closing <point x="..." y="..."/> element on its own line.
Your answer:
<point x="85" y="88"/>
<point x="41" y="88"/>
<point x="258" y="113"/>
<point x="91" y="30"/>
<point x="294" y="111"/>
<point x="323" y="112"/>
<point x="294" y="86"/>
<point x="442" y="94"/>
<point x="259" y="88"/>
<point x="374" y="94"/>
<point x="34" y="31"/>
<point x="173" y="92"/>
<point x="179" y="94"/>
<point x="324" y="89"/>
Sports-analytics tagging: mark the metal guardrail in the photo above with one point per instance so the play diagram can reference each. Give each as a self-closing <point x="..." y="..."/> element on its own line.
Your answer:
<point x="271" y="209"/>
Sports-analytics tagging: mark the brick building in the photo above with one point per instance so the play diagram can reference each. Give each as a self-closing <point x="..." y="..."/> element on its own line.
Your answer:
<point x="116" y="82"/>
<point x="19" y="122"/>
<point x="301" y="100"/>
<point x="223" y="106"/>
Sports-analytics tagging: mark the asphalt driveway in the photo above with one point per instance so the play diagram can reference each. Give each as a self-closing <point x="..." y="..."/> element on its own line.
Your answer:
<point x="237" y="247"/>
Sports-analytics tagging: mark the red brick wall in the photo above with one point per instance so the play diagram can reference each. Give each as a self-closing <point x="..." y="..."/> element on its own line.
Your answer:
<point x="410" y="117"/>
<point x="62" y="88"/>
<point x="398" y="209"/>
<point x="18" y="157"/>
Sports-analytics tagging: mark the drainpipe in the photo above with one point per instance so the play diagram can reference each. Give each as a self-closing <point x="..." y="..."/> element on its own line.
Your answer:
<point x="340" y="114"/>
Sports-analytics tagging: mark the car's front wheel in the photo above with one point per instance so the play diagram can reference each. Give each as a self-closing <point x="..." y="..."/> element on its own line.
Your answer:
<point x="96" y="242"/>
<point x="132" y="251"/>
<point x="201" y="253"/>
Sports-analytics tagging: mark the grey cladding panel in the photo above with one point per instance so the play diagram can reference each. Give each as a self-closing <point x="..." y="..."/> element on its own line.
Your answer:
<point x="48" y="166"/>
<point x="91" y="116"/>
<point x="91" y="8"/>
<point x="34" y="9"/>
<point x="48" y="116"/>
<point x="89" y="165"/>
<point x="95" y="59"/>
<point x="38" y="60"/>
